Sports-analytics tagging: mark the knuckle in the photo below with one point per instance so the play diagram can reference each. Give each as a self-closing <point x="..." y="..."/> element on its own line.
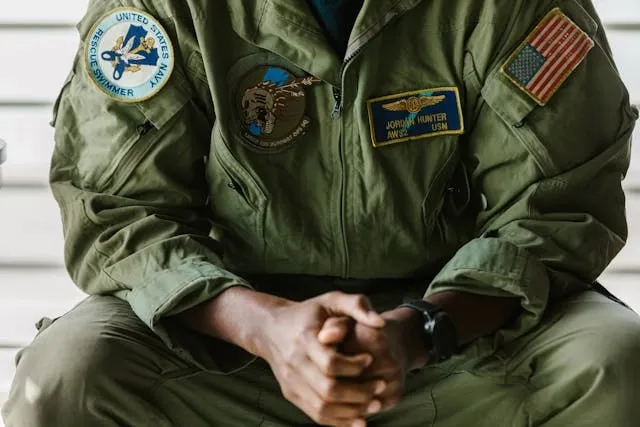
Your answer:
<point x="288" y="374"/>
<point x="383" y="344"/>
<point x="360" y="300"/>
<point x="314" y="311"/>
<point x="326" y="420"/>
<point x="299" y="340"/>
<point x="289" y="357"/>
<point x="320" y="419"/>
<point x="335" y="294"/>
<point x="320" y="408"/>
<point x="287" y="394"/>
<point x="329" y="388"/>
<point x="331" y="365"/>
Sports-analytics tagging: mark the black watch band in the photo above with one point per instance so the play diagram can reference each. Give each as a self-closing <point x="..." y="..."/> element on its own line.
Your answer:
<point x="439" y="331"/>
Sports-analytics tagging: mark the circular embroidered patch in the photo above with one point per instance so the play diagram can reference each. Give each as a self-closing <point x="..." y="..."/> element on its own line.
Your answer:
<point x="129" y="55"/>
<point x="271" y="103"/>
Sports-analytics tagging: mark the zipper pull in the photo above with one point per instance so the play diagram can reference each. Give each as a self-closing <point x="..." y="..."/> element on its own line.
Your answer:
<point x="337" y="106"/>
<point x="144" y="128"/>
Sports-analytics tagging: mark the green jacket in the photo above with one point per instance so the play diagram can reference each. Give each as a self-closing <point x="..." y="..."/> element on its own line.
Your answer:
<point x="219" y="176"/>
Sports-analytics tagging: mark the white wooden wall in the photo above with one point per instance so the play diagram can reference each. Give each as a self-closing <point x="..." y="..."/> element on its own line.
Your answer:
<point x="38" y="41"/>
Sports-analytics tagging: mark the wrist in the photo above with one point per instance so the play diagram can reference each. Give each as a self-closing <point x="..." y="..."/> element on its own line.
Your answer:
<point x="239" y="315"/>
<point x="410" y="330"/>
<point x="264" y="329"/>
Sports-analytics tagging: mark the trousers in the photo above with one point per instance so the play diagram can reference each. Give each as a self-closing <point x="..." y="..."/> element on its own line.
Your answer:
<point x="100" y="366"/>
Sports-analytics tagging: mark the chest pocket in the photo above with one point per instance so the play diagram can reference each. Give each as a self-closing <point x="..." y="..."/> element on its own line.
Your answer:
<point x="106" y="139"/>
<point x="585" y="116"/>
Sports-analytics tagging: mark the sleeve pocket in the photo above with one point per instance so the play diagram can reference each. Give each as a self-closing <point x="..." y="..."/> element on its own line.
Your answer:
<point x="586" y="116"/>
<point x="105" y="138"/>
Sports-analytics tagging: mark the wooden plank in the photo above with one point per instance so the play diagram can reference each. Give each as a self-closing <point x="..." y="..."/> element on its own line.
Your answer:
<point x="30" y="227"/>
<point x="26" y="296"/>
<point x="618" y="10"/>
<point x="38" y="77"/>
<point x="71" y="11"/>
<point x="42" y="11"/>
<point x="47" y="286"/>
<point x="7" y="369"/>
<point x="30" y="144"/>
<point x="624" y="286"/>
<point x="625" y="54"/>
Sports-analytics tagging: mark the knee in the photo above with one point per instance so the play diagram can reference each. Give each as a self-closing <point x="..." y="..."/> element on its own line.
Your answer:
<point x="612" y="369"/>
<point x="597" y="373"/>
<point x="71" y="366"/>
<point x="584" y="368"/>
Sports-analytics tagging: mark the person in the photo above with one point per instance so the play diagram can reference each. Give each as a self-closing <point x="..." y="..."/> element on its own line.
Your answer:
<point x="345" y="213"/>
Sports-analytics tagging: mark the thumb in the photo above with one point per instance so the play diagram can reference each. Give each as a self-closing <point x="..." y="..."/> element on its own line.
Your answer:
<point x="357" y="307"/>
<point x="335" y="330"/>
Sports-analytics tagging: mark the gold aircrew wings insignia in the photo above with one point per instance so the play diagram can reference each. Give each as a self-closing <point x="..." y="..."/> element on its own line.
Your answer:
<point x="414" y="104"/>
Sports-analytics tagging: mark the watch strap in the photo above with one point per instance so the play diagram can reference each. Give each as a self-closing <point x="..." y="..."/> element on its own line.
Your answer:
<point x="440" y="348"/>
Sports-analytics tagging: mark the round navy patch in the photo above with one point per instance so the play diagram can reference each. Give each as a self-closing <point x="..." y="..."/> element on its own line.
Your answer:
<point x="129" y="55"/>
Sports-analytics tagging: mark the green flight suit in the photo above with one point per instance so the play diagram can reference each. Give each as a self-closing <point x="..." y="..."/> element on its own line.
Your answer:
<point x="298" y="184"/>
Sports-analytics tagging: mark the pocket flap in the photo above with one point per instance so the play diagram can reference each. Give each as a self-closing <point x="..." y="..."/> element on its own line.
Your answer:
<point x="511" y="104"/>
<point x="163" y="106"/>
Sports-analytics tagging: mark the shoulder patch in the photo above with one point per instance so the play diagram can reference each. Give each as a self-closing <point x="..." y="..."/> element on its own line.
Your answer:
<point x="129" y="55"/>
<point x="549" y="55"/>
<point x="415" y="115"/>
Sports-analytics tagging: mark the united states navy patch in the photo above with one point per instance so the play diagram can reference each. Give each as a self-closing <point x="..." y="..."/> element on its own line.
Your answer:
<point x="548" y="56"/>
<point x="129" y="55"/>
<point x="415" y="115"/>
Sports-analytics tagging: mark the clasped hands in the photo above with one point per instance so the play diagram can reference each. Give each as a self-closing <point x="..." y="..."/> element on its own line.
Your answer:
<point x="338" y="360"/>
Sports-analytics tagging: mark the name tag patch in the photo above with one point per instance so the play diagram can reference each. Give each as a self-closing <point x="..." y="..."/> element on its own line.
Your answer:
<point x="415" y="115"/>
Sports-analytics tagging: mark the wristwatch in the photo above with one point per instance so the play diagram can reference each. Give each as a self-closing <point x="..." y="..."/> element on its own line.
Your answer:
<point x="439" y="331"/>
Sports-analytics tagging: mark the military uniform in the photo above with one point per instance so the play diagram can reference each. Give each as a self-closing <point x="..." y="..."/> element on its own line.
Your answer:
<point x="428" y="159"/>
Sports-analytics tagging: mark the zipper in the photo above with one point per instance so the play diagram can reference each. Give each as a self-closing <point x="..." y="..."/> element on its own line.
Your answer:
<point x="337" y="106"/>
<point x="133" y="155"/>
<point x="337" y="91"/>
<point x="238" y="179"/>
<point x="145" y="128"/>
<point x="336" y="114"/>
<point x="235" y="184"/>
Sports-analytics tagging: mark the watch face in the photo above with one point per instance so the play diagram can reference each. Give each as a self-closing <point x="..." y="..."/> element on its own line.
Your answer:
<point x="445" y="337"/>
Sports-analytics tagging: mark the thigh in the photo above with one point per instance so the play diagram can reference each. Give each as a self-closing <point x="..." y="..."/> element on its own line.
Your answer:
<point x="582" y="367"/>
<point x="578" y="367"/>
<point x="250" y="397"/>
<point x="99" y="365"/>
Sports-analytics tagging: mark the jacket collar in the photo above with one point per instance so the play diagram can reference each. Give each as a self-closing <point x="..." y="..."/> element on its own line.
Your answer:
<point x="289" y="29"/>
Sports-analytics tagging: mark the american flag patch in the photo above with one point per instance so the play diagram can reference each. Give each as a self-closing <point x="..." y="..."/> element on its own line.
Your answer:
<point x="548" y="57"/>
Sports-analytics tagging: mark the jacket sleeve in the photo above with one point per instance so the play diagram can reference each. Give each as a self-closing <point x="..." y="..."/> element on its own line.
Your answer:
<point x="130" y="182"/>
<point x="550" y="176"/>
